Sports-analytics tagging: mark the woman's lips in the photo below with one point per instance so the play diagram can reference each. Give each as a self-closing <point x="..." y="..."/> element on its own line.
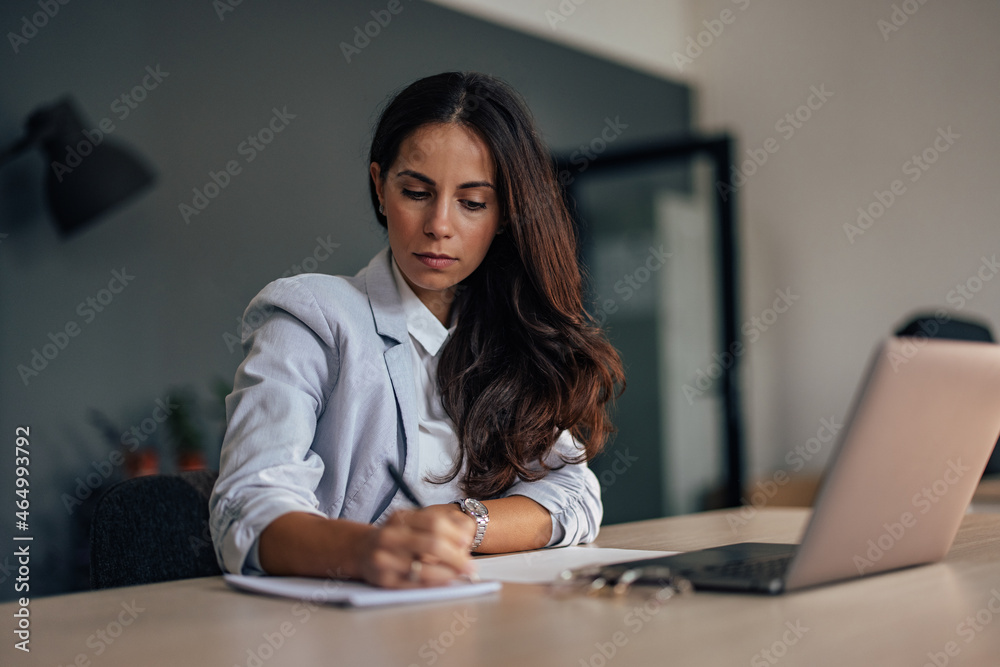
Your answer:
<point x="436" y="261"/>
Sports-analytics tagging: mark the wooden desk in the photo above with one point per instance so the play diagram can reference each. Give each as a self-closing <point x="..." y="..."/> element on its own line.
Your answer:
<point x="891" y="619"/>
<point x="988" y="490"/>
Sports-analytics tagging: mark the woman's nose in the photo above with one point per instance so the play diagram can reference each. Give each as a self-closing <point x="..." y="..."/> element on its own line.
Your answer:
<point x="438" y="222"/>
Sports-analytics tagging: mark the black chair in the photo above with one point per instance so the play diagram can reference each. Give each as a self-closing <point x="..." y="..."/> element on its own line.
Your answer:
<point x="153" y="528"/>
<point x="933" y="326"/>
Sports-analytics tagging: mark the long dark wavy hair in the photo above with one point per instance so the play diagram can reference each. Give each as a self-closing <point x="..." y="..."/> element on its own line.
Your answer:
<point x="525" y="361"/>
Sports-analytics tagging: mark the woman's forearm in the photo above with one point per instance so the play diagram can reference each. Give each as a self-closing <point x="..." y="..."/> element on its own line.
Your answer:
<point x="304" y="544"/>
<point x="517" y="523"/>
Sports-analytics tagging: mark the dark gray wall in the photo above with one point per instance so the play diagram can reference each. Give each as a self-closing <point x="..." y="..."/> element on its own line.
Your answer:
<point x="192" y="281"/>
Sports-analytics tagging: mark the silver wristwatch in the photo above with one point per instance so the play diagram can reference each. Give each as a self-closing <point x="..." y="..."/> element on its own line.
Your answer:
<point x="477" y="511"/>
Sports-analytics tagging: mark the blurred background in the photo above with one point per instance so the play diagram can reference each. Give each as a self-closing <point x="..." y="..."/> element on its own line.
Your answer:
<point x="864" y="148"/>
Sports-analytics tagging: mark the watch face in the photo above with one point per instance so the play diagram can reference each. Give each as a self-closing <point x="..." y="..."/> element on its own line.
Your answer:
<point x="476" y="507"/>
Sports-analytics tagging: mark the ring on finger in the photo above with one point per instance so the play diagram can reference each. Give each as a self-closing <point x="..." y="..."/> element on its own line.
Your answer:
<point x="416" y="567"/>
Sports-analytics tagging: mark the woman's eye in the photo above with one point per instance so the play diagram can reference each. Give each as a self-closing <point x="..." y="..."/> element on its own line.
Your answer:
<point x="474" y="205"/>
<point x="414" y="194"/>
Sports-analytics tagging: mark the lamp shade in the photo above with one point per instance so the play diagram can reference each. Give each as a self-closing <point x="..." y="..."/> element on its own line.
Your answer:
<point x="88" y="173"/>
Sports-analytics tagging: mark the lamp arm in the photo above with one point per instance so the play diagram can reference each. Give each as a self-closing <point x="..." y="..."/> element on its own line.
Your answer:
<point x="40" y="125"/>
<point x="10" y="152"/>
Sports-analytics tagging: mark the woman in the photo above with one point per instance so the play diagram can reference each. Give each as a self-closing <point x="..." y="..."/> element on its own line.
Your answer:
<point x="461" y="354"/>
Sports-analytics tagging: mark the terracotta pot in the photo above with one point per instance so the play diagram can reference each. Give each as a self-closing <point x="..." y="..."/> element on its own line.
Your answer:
<point x="143" y="462"/>
<point x="190" y="461"/>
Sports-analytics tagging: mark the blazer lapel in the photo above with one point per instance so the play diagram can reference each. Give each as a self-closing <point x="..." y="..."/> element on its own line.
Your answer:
<point x="390" y="323"/>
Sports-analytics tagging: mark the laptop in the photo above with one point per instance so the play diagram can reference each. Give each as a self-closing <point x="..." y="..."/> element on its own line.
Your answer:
<point x="907" y="463"/>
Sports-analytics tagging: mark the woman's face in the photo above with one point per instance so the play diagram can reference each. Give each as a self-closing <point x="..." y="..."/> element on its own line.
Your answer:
<point x="441" y="208"/>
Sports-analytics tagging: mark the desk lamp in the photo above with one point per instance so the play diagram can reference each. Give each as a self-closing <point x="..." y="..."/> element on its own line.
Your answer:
<point x="87" y="173"/>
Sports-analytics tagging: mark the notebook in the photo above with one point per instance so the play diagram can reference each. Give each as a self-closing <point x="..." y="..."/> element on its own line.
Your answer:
<point x="355" y="593"/>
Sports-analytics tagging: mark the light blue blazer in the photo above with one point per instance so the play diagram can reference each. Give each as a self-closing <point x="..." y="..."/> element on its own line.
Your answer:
<point x="324" y="399"/>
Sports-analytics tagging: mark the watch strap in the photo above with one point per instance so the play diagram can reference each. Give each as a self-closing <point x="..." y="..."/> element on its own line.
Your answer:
<point x="481" y="521"/>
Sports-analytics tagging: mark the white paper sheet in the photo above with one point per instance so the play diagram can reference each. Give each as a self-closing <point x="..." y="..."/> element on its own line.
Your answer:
<point x="355" y="593"/>
<point x="544" y="566"/>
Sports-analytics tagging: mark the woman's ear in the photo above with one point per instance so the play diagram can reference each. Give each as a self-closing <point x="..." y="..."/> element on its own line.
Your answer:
<point x="376" y="173"/>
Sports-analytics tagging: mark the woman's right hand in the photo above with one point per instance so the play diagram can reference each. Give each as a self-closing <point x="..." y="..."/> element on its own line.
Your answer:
<point x="425" y="547"/>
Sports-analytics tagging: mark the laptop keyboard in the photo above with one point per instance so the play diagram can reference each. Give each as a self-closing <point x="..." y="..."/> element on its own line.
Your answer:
<point x="758" y="569"/>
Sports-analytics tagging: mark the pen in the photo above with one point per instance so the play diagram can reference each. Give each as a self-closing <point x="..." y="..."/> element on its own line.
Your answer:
<point x="404" y="487"/>
<point x="412" y="497"/>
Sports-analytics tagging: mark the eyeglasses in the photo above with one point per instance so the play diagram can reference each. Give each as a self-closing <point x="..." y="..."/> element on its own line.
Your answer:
<point x="618" y="580"/>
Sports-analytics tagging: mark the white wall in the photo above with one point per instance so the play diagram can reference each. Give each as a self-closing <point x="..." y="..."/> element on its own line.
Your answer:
<point x="892" y="91"/>
<point x="639" y="33"/>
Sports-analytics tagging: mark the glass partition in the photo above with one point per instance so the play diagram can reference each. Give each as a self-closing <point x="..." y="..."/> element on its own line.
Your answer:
<point x="657" y="244"/>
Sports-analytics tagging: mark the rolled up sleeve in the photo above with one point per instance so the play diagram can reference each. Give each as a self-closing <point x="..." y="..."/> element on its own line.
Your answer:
<point x="571" y="494"/>
<point x="267" y="467"/>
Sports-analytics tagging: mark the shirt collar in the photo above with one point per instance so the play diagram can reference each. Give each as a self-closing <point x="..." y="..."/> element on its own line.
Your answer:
<point x="420" y="322"/>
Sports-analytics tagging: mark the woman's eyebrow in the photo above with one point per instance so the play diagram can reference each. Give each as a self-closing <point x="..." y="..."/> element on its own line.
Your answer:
<point x="429" y="181"/>
<point x="417" y="175"/>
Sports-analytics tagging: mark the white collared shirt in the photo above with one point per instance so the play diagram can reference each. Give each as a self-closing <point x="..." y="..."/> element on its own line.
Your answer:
<point x="436" y="438"/>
